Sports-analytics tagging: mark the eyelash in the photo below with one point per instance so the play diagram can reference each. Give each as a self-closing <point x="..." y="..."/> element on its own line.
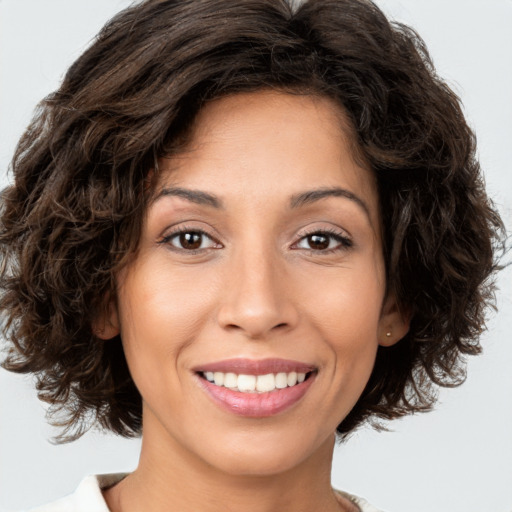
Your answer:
<point x="166" y="240"/>
<point x="344" y="242"/>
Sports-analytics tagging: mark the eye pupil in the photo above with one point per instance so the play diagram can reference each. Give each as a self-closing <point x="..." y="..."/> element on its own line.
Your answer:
<point x="190" y="240"/>
<point x="318" y="241"/>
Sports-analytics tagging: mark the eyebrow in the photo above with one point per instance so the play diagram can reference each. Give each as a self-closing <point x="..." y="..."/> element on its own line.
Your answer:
<point x="312" y="196"/>
<point x="194" y="196"/>
<point x="296" y="201"/>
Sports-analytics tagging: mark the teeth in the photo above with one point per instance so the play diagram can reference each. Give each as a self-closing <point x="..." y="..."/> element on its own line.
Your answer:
<point x="266" y="383"/>
<point x="253" y="383"/>
<point x="291" y="379"/>
<point x="230" y="380"/>
<point x="281" y="380"/>
<point x="246" y="382"/>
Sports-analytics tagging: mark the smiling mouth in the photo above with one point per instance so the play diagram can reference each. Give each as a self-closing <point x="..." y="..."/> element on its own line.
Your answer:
<point x="244" y="383"/>
<point x="256" y="388"/>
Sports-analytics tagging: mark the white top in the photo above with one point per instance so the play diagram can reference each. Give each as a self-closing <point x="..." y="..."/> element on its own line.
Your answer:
<point x="88" y="497"/>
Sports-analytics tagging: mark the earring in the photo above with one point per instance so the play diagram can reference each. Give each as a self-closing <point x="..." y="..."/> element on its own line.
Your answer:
<point x="388" y="334"/>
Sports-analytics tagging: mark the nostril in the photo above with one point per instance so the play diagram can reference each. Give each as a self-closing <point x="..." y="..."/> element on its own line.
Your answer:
<point x="233" y="326"/>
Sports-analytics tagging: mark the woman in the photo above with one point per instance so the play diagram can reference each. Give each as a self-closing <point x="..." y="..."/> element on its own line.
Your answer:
<point x="244" y="228"/>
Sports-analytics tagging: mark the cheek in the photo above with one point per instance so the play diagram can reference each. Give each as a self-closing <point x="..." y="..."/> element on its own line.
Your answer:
<point x="349" y="329"/>
<point x="346" y="316"/>
<point x="348" y="303"/>
<point x="161" y="313"/>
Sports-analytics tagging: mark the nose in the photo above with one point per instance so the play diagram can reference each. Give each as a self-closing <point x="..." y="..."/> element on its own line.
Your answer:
<point x="256" y="299"/>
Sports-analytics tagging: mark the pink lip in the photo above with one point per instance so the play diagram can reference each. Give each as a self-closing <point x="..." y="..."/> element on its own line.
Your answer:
<point x="256" y="405"/>
<point x="255" y="366"/>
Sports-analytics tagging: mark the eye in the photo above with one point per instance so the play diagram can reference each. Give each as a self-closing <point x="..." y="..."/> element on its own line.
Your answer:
<point x="324" y="241"/>
<point x="190" y="240"/>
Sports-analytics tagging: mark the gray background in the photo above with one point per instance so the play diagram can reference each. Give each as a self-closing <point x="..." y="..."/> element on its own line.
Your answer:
<point x="455" y="459"/>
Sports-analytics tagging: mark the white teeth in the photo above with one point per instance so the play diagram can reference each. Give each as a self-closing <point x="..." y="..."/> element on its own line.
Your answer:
<point x="255" y="384"/>
<point x="230" y="380"/>
<point x="266" y="383"/>
<point x="246" y="383"/>
<point x="281" y="380"/>
<point x="292" y="379"/>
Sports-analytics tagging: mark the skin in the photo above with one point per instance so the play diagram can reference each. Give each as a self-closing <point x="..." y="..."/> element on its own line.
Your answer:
<point x="258" y="287"/>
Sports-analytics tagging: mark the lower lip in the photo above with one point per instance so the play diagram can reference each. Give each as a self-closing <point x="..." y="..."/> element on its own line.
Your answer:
<point x="256" y="405"/>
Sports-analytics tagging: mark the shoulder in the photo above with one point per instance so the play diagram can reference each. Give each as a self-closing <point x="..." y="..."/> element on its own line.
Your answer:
<point x="361" y="503"/>
<point x="87" y="497"/>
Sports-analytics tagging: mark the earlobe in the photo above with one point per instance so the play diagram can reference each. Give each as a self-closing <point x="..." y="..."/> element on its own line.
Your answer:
<point x="394" y="323"/>
<point x="106" y="324"/>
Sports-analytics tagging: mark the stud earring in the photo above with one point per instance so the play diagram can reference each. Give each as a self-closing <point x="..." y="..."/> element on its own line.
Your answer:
<point x="388" y="334"/>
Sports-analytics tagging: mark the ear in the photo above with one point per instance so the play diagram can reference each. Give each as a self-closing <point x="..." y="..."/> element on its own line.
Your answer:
<point x="106" y="324"/>
<point x="393" y="324"/>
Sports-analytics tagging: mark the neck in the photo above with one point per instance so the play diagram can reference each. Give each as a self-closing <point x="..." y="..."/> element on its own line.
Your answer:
<point x="170" y="476"/>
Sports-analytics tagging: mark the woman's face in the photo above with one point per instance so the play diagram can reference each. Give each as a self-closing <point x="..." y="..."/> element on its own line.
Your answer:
<point x="260" y="268"/>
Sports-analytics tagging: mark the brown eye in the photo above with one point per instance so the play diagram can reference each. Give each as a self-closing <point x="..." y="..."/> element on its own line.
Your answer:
<point x="318" y="241"/>
<point x="324" y="241"/>
<point x="190" y="240"/>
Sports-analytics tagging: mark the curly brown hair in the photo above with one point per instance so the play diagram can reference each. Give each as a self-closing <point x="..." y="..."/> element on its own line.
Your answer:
<point x="81" y="171"/>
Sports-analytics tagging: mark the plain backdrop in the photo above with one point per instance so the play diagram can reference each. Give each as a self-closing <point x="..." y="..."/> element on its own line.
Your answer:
<point x="457" y="458"/>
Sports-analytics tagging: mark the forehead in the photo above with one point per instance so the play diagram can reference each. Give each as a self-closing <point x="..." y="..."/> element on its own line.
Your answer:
<point x="272" y="144"/>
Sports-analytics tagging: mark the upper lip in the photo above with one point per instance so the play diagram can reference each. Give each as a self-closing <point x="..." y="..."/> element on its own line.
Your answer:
<point x="255" y="366"/>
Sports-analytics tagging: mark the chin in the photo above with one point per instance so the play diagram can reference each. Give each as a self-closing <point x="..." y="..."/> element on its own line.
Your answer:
<point x="266" y="455"/>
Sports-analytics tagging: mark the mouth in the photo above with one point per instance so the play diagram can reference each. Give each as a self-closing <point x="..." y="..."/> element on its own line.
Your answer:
<point x="244" y="383"/>
<point x="256" y="389"/>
